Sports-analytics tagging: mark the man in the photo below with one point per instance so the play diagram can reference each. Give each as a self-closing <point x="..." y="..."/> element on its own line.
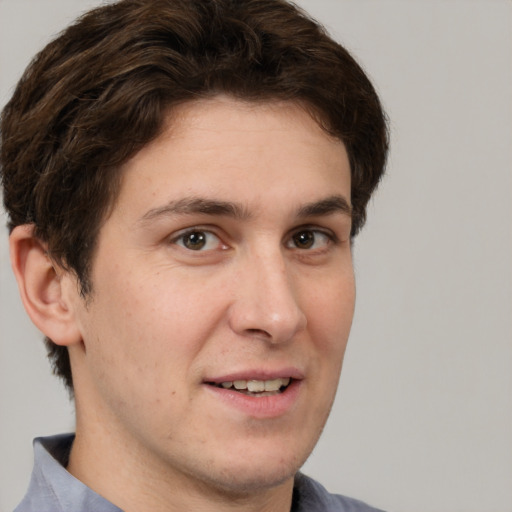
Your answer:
<point x="184" y="180"/>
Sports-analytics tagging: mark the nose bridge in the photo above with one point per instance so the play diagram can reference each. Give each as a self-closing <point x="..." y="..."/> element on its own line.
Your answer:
<point x="267" y="300"/>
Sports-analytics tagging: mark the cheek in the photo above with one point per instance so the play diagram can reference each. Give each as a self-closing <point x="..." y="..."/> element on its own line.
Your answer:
<point x="331" y="310"/>
<point x="329" y="321"/>
<point x="153" y="322"/>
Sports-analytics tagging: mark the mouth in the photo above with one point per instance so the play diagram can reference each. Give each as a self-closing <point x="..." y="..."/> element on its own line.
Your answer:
<point x="261" y="394"/>
<point x="256" y="388"/>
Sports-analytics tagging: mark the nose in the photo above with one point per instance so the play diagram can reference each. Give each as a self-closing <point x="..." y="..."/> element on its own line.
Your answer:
<point x="266" y="304"/>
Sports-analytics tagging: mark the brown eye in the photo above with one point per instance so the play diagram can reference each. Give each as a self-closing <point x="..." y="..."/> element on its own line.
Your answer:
<point x="198" y="240"/>
<point x="304" y="239"/>
<point x="309" y="239"/>
<point x="195" y="240"/>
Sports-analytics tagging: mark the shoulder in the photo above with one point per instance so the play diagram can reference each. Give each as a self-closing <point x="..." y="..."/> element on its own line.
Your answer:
<point x="310" y="496"/>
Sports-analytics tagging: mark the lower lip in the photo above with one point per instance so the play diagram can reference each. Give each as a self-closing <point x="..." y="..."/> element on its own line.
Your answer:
<point x="260" y="407"/>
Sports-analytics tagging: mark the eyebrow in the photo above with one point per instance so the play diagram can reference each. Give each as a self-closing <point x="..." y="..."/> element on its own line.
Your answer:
<point x="199" y="205"/>
<point x="327" y="206"/>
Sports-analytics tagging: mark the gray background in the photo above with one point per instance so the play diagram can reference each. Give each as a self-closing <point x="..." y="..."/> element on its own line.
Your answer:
<point x="423" y="418"/>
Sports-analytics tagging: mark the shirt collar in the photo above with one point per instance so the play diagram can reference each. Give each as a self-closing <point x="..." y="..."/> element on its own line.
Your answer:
<point x="52" y="488"/>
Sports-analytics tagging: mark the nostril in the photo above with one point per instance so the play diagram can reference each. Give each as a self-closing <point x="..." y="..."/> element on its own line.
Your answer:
<point x="259" y="332"/>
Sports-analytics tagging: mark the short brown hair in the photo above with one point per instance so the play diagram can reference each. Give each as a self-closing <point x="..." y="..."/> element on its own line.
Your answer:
<point x="100" y="91"/>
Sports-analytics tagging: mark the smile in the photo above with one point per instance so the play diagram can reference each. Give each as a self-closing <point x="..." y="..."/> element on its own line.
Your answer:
<point x="259" y="388"/>
<point x="258" y="393"/>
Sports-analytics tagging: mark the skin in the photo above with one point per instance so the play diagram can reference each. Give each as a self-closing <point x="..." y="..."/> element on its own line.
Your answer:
<point x="264" y="285"/>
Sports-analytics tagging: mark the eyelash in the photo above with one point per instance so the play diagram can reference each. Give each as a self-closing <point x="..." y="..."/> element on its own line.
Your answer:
<point x="196" y="230"/>
<point x="330" y="237"/>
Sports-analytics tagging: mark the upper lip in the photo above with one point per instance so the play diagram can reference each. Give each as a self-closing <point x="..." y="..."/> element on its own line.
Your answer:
<point x="257" y="374"/>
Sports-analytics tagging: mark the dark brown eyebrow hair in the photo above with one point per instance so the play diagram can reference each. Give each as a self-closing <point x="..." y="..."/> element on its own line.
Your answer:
<point x="189" y="205"/>
<point x="199" y="205"/>
<point x="326" y="206"/>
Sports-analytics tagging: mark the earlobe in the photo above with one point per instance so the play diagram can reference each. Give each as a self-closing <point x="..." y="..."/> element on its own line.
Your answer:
<point x="41" y="286"/>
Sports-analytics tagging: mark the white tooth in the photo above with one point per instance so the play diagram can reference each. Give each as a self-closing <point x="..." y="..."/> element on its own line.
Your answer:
<point x="273" y="385"/>
<point x="255" y="386"/>
<point x="226" y="385"/>
<point x="240" y="384"/>
<point x="285" y="382"/>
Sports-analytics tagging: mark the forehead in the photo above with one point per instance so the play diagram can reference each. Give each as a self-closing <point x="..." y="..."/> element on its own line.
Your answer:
<point x="240" y="114"/>
<point x="231" y="148"/>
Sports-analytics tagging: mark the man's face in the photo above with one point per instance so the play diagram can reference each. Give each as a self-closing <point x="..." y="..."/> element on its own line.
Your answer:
<point x="226" y="263"/>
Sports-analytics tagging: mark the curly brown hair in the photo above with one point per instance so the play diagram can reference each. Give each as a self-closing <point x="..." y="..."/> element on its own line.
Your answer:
<point x="100" y="91"/>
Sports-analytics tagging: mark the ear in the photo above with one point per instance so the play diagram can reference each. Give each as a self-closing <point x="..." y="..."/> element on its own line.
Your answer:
<point x="44" y="288"/>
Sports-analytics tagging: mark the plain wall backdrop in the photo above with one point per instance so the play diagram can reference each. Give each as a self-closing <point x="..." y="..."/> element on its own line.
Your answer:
<point x="423" y="417"/>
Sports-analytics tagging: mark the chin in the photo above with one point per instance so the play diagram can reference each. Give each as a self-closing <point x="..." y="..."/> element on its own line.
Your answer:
<point x="251" y="480"/>
<point x="257" y="470"/>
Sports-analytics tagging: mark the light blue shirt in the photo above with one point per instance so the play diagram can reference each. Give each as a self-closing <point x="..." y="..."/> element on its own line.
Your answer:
<point x="53" y="489"/>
